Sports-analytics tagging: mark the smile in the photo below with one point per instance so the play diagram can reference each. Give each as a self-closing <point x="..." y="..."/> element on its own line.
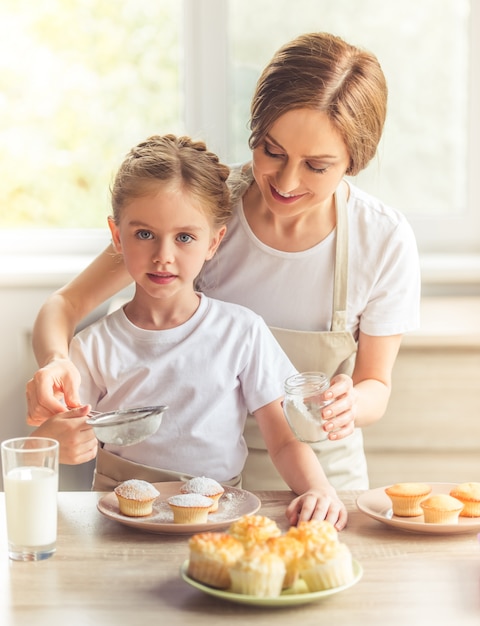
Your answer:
<point x="284" y="197"/>
<point x="161" y="279"/>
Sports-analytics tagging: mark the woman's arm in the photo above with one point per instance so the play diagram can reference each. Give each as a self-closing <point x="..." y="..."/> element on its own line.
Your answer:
<point x="54" y="327"/>
<point x="65" y="308"/>
<point x="362" y="399"/>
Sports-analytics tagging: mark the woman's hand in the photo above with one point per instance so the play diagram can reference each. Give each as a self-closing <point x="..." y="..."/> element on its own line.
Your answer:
<point x="340" y="415"/>
<point x="52" y="387"/>
<point x="77" y="440"/>
<point x="320" y="505"/>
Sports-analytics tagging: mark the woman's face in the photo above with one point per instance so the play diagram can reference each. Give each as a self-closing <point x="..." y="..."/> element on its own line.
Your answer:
<point x="300" y="162"/>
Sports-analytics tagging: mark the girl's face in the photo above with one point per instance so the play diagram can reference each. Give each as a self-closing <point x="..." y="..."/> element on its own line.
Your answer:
<point x="165" y="238"/>
<point x="300" y="163"/>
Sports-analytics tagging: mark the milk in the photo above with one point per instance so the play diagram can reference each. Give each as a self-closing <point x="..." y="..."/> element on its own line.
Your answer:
<point x="31" y="506"/>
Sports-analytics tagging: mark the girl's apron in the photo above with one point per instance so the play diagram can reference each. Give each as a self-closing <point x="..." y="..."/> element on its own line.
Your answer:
<point x="332" y="352"/>
<point x="111" y="470"/>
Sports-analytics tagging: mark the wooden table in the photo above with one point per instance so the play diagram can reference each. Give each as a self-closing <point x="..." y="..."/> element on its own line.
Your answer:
<point x="105" y="573"/>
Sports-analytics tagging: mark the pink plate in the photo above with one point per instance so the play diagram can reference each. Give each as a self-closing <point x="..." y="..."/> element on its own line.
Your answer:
<point x="233" y="504"/>
<point x="375" y="503"/>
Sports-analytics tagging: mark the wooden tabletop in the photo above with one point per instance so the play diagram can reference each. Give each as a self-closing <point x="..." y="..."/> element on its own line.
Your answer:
<point x="106" y="573"/>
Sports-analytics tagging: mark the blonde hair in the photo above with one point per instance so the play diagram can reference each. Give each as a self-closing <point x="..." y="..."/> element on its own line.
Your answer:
<point x="321" y="71"/>
<point x="181" y="160"/>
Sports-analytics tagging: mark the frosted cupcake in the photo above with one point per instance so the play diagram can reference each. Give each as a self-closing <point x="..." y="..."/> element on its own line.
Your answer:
<point x="258" y="572"/>
<point x="136" y="497"/>
<point x="469" y="494"/>
<point x="251" y="530"/>
<point x="205" y="487"/>
<point x="212" y="554"/>
<point x="441" y="509"/>
<point x="190" y="508"/>
<point x="406" y="498"/>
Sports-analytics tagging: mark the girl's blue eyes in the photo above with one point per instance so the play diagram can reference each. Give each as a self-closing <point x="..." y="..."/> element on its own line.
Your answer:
<point x="274" y="155"/>
<point x="145" y="235"/>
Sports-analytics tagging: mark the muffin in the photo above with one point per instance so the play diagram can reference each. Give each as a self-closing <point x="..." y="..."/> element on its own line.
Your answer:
<point x="406" y="498"/>
<point x="136" y="497"/>
<point x="311" y="533"/>
<point x="205" y="487"/>
<point x="190" y="508"/>
<point x="441" y="509"/>
<point x="469" y="495"/>
<point x="251" y="530"/>
<point x="329" y="564"/>
<point x="258" y="572"/>
<point x="290" y="550"/>
<point x="211" y="556"/>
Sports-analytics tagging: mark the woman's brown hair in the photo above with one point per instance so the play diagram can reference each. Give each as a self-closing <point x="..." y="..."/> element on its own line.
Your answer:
<point x="321" y="71"/>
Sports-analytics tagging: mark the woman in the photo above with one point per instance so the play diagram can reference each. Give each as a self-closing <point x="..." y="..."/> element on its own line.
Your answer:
<point x="333" y="271"/>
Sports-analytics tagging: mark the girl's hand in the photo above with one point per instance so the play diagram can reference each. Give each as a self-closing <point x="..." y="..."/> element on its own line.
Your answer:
<point x="77" y="440"/>
<point x="321" y="505"/>
<point x="340" y="415"/>
<point x="51" y="389"/>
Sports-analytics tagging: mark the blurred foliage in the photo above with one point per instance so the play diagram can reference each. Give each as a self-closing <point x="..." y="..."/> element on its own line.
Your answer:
<point x="81" y="81"/>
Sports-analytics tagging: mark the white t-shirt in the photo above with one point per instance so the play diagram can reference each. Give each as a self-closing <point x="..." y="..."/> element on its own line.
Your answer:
<point x="294" y="290"/>
<point x="210" y="371"/>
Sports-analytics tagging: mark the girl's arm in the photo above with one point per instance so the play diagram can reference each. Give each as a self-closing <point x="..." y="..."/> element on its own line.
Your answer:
<point x="54" y="327"/>
<point x="299" y="467"/>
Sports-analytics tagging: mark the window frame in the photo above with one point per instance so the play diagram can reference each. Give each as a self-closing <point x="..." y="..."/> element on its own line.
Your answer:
<point x="205" y="82"/>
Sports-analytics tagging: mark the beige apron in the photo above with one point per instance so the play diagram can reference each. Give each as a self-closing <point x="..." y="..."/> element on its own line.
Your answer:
<point x="332" y="352"/>
<point x="111" y="470"/>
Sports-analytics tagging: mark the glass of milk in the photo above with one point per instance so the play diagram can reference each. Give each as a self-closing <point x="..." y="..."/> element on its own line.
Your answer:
<point x="30" y="479"/>
<point x="303" y="405"/>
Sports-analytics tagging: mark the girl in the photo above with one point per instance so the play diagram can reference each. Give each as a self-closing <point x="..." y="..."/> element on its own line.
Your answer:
<point x="209" y="361"/>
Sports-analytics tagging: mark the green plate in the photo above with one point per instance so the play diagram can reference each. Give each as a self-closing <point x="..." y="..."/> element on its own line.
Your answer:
<point x="291" y="597"/>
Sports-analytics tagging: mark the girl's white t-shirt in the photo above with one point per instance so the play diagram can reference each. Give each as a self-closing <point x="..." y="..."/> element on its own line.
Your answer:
<point x="210" y="371"/>
<point x="294" y="290"/>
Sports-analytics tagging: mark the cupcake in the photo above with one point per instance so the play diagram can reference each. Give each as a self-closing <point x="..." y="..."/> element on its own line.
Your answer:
<point x="311" y="533"/>
<point x="441" y="509"/>
<point x="253" y="529"/>
<point x="136" y="497"/>
<point x="258" y="572"/>
<point x="327" y="565"/>
<point x="205" y="487"/>
<point x="190" y="508"/>
<point x="211" y="556"/>
<point x="469" y="495"/>
<point x="406" y="498"/>
<point x="289" y="550"/>
<point x="325" y="562"/>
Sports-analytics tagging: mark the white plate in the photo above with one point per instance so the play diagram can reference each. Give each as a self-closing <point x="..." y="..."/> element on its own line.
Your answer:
<point x="290" y="597"/>
<point x="233" y="504"/>
<point x="378" y="505"/>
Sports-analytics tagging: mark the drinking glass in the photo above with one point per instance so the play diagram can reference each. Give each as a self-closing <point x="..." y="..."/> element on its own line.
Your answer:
<point x="30" y="478"/>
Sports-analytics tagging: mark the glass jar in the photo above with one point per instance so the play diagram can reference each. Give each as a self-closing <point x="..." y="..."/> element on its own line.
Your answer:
<point x="303" y="405"/>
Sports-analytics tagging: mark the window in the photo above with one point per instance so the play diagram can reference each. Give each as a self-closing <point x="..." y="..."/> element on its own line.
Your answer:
<point x="83" y="80"/>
